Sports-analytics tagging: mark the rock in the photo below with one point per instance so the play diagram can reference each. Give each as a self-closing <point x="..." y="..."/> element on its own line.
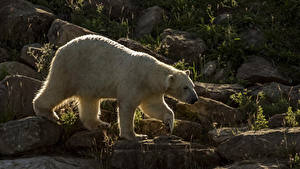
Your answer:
<point x="23" y="23"/>
<point x="28" y="51"/>
<point x="209" y="68"/>
<point x="161" y="152"/>
<point x="277" y="120"/>
<point x="189" y="130"/>
<point x="253" y="37"/>
<point x="151" y="127"/>
<point x="214" y="111"/>
<point x="268" y="143"/>
<point x="179" y="45"/>
<point x="134" y="45"/>
<point x="219" y="92"/>
<point x="220" y="75"/>
<point x="259" y="70"/>
<point x="62" y="32"/>
<point x="86" y="140"/>
<point x="150" y="18"/>
<point x="257" y="164"/>
<point x="184" y="129"/>
<point x="16" y="68"/>
<point x="219" y="135"/>
<point x="27" y="134"/>
<point x="274" y="91"/>
<point x="3" y="55"/>
<point x="17" y="93"/>
<point x="223" y="18"/>
<point x="50" y="162"/>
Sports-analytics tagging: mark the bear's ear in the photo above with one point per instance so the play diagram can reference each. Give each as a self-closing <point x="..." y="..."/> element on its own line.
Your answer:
<point x="187" y="72"/>
<point x="169" y="81"/>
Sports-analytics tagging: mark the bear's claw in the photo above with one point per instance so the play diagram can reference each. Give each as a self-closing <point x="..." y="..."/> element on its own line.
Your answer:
<point x="169" y="125"/>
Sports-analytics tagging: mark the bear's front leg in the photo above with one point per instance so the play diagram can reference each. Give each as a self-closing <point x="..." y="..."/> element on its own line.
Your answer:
<point x="126" y="116"/>
<point x="156" y="107"/>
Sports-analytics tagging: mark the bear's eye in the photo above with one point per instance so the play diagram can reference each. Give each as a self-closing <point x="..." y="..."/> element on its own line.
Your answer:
<point x="185" y="88"/>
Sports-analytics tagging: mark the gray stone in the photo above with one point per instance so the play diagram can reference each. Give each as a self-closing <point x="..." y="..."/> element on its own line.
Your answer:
<point x="178" y="45"/>
<point x="50" y="162"/>
<point x="26" y="24"/>
<point x="278" y="120"/>
<point x="212" y="110"/>
<point x="17" y="93"/>
<point x="27" y="134"/>
<point x="29" y="51"/>
<point x="161" y="152"/>
<point x="16" y="68"/>
<point x="259" y="70"/>
<point x="62" y="32"/>
<point x="219" y="92"/>
<point x="148" y="20"/>
<point x="263" y="143"/>
<point x="134" y="45"/>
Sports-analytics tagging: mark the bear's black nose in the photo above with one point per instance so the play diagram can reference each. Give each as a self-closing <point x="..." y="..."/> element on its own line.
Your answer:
<point x="194" y="100"/>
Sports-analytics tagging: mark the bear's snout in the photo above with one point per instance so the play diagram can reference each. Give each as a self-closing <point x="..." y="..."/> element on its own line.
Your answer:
<point x="194" y="100"/>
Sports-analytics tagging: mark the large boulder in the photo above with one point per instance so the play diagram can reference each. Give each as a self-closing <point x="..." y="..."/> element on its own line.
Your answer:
<point x="27" y="134"/>
<point x="17" y="93"/>
<point x="259" y="70"/>
<point x="134" y="45"/>
<point x="179" y="45"/>
<point x="50" y="162"/>
<point x="62" y="32"/>
<point x="150" y="18"/>
<point x="219" y="92"/>
<point x="214" y="111"/>
<point x="16" y="68"/>
<point x="263" y="143"/>
<point x="162" y="152"/>
<point x="23" y="23"/>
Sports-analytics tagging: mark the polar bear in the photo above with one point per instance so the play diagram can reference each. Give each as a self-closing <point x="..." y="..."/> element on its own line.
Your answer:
<point x="93" y="67"/>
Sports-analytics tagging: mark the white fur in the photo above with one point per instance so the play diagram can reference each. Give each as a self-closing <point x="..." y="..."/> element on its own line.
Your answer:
<point x="92" y="67"/>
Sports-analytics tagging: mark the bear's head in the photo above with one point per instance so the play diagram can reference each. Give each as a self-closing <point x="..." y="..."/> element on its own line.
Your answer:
<point x="180" y="86"/>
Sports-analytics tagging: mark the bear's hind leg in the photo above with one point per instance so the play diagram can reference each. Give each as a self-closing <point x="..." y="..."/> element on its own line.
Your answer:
<point x="88" y="113"/>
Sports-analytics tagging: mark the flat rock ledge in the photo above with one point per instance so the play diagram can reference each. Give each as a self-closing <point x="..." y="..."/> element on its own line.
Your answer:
<point x="162" y="152"/>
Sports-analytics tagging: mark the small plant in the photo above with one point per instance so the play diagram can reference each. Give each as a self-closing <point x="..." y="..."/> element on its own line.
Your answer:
<point x="295" y="161"/>
<point x="43" y="60"/>
<point x="138" y="116"/>
<point x="182" y="65"/>
<point x="291" y="117"/>
<point x="260" y="120"/>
